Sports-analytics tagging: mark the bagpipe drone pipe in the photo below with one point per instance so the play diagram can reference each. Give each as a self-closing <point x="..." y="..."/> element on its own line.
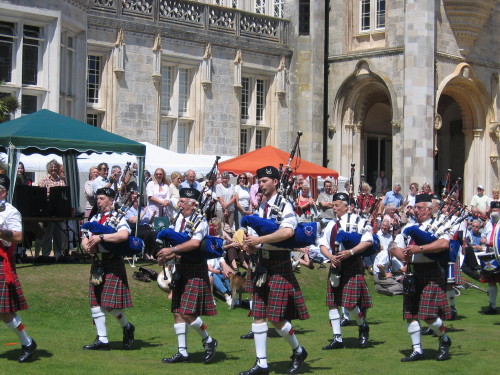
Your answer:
<point x="132" y="246"/>
<point x="211" y="247"/>
<point x="304" y="235"/>
<point x="352" y="239"/>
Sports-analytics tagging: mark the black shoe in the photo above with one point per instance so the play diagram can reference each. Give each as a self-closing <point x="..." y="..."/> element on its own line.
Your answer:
<point x="364" y="334"/>
<point x="345" y="322"/>
<point x="427" y="331"/>
<point x="334" y="344"/>
<point x="297" y="361"/>
<point x="153" y="275"/>
<point x="248" y="336"/>
<point x="490" y="311"/>
<point x="415" y="356"/>
<point x="128" y="335"/>
<point x="97" y="345"/>
<point x="27" y="351"/>
<point x="176" y="358"/>
<point x="443" y="350"/>
<point x="256" y="370"/>
<point x="209" y="350"/>
<point x="453" y="313"/>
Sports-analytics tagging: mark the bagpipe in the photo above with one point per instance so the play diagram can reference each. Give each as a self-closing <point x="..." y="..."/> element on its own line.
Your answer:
<point x="443" y="224"/>
<point x="211" y="246"/>
<point x="133" y="246"/>
<point x="305" y="234"/>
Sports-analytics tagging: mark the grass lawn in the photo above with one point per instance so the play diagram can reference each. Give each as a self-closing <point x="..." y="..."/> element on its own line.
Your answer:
<point x="59" y="319"/>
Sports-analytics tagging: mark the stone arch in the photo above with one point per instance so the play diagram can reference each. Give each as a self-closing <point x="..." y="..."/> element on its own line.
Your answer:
<point x="476" y="112"/>
<point x="359" y="92"/>
<point x="470" y="94"/>
<point x="351" y="93"/>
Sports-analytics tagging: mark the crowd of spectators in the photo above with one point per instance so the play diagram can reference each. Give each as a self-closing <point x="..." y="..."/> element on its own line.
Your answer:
<point x="228" y="199"/>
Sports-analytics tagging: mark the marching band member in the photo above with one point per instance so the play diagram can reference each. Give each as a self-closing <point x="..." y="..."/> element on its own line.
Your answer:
<point x="351" y="291"/>
<point x="428" y="302"/>
<point x="277" y="297"/>
<point x="11" y="295"/>
<point x="113" y="294"/>
<point x="192" y="296"/>
<point x="488" y="238"/>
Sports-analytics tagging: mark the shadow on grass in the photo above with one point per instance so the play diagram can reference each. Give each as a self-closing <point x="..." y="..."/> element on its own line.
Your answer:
<point x="137" y="345"/>
<point x="38" y="354"/>
<point x="352" y="342"/>
<point x="281" y="367"/>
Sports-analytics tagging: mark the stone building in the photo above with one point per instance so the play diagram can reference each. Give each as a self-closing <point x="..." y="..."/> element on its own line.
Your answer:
<point x="413" y="88"/>
<point x="405" y="86"/>
<point x="196" y="77"/>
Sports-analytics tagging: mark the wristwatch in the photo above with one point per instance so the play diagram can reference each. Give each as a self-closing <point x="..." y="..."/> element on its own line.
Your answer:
<point x="101" y="236"/>
<point x="175" y="249"/>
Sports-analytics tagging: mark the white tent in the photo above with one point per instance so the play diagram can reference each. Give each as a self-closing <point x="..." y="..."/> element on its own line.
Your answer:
<point x="156" y="157"/>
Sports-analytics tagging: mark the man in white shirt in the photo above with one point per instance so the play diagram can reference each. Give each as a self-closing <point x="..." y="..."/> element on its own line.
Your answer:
<point x="346" y="286"/>
<point x="428" y="301"/>
<point x="278" y="298"/>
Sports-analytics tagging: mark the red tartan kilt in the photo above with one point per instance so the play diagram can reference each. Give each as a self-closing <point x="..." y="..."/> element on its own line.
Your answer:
<point x="11" y="295"/>
<point x="458" y="273"/>
<point x="113" y="293"/>
<point x="249" y="284"/>
<point x="429" y="300"/>
<point x="352" y="290"/>
<point x="281" y="298"/>
<point x="193" y="295"/>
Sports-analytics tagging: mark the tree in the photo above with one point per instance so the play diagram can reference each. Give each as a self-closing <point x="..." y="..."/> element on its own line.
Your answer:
<point x="8" y="105"/>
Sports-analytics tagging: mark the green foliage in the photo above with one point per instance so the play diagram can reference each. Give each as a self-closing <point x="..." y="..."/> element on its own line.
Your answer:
<point x="59" y="319"/>
<point x="8" y="104"/>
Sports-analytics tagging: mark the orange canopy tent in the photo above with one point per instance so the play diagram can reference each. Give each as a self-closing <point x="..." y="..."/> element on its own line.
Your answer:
<point x="270" y="155"/>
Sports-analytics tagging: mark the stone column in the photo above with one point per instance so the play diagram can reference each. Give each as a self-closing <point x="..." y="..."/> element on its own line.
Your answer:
<point x="419" y="91"/>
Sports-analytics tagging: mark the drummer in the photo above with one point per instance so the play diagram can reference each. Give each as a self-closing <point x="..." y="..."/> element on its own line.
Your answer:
<point x="489" y="238"/>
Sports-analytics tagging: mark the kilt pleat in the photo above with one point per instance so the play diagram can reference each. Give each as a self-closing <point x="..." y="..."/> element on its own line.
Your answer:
<point x="114" y="292"/>
<point x="352" y="290"/>
<point x="11" y="295"/>
<point x="193" y="295"/>
<point x="281" y="298"/>
<point x="249" y="283"/>
<point x="429" y="300"/>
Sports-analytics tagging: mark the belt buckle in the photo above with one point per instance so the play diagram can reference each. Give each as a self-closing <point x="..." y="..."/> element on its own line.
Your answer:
<point x="265" y="254"/>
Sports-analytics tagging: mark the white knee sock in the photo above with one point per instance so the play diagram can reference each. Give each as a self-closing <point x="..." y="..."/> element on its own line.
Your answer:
<point x="17" y="326"/>
<point x="334" y="317"/>
<point x="181" y="331"/>
<point x="492" y="295"/>
<point x="120" y="316"/>
<point x="99" y="317"/>
<point x="288" y="334"/>
<point x="450" y="295"/>
<point x="345" y="313"/>
<point x="201" y="329"/>
<point x="438" y="327"/>
<point x="414" y="331"/>
<point x="358" y="315"/>
<point x="260" y="340"/>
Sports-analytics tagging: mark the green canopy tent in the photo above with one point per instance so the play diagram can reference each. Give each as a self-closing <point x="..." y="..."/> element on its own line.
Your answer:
<point x="45" y="132"/>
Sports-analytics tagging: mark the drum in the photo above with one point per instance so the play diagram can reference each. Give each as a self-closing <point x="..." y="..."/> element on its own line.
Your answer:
<point x="489" y="264"/>
<point x="450" y="279"/>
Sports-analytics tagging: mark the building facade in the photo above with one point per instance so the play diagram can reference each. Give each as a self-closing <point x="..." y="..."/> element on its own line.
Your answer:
<point x="405" y="86"/>
<point x="413" y="90"/>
